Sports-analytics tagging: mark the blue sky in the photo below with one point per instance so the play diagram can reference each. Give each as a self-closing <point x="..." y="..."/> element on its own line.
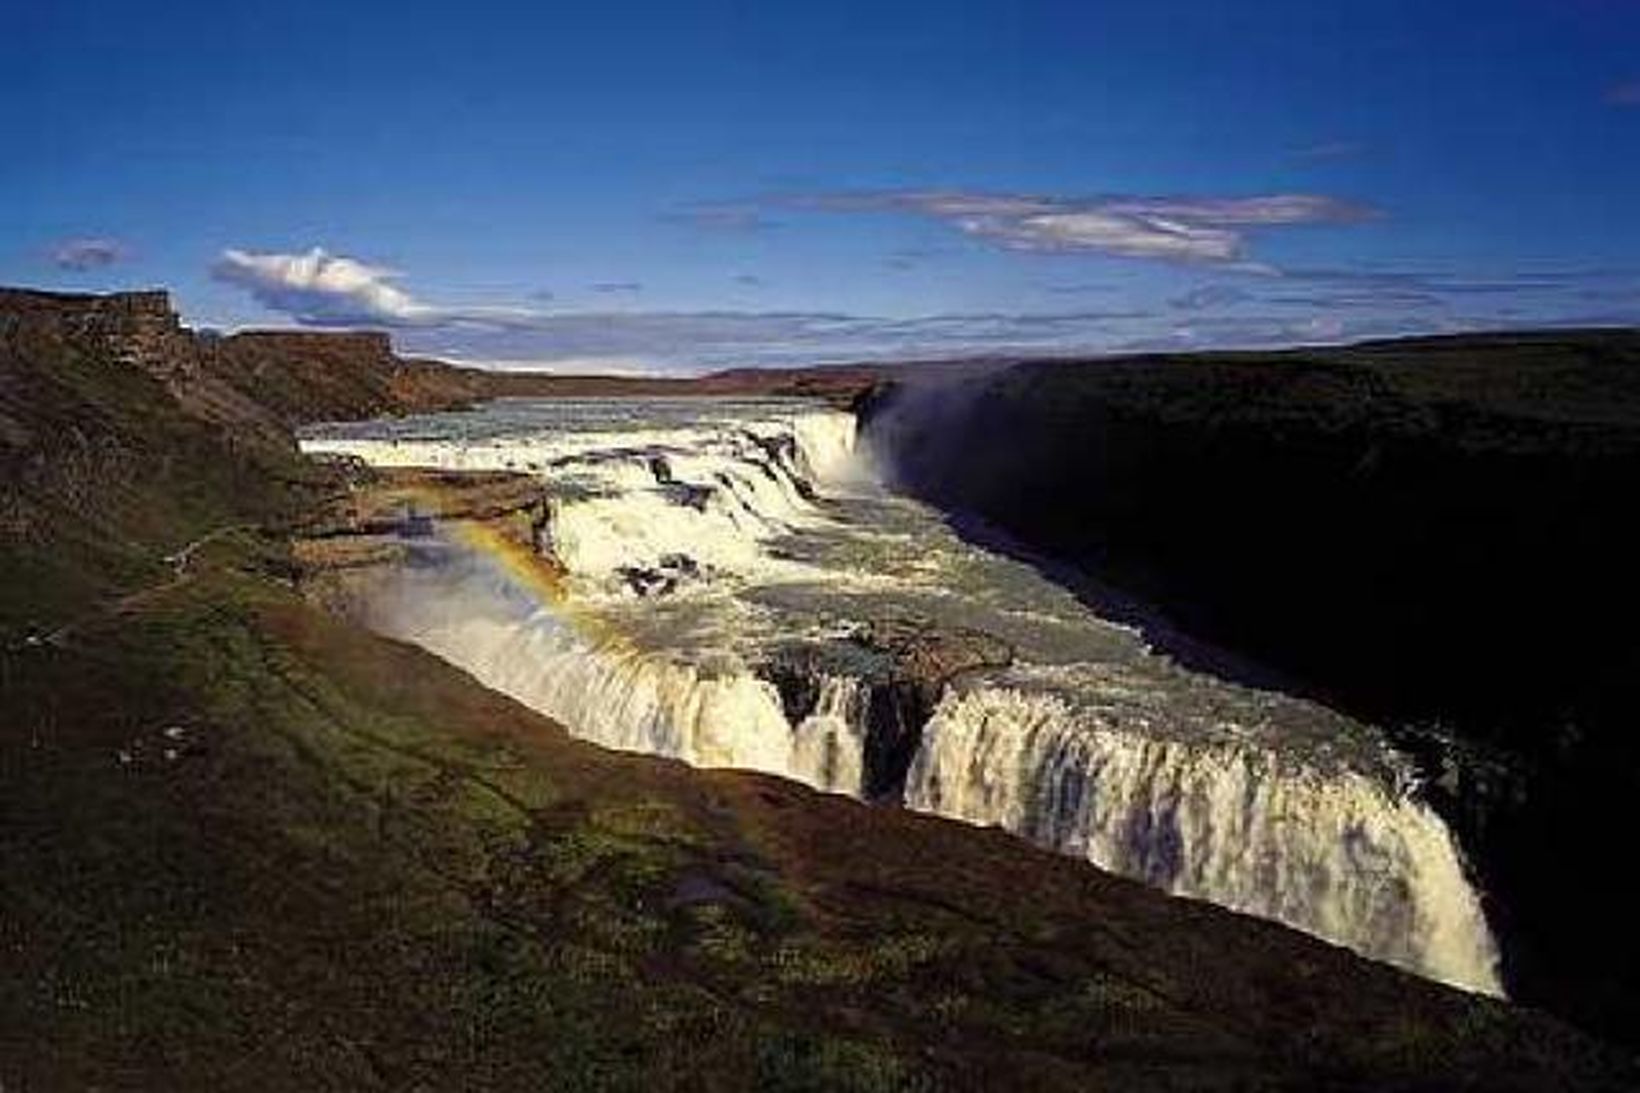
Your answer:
<point x="686" y="185"/>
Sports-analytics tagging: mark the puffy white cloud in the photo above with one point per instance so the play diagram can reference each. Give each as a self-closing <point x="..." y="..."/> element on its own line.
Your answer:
<point x="318" y="288"/>
<point x="322" y="288"/>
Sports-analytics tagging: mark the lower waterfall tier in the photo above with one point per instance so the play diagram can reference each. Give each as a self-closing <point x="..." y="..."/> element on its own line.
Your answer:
<point x="1334" y="853"/>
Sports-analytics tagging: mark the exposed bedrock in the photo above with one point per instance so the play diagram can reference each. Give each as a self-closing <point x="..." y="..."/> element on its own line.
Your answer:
<point x="377" y="516"/>
<point x="902" y="664"/>
<point x="397" y="500"/>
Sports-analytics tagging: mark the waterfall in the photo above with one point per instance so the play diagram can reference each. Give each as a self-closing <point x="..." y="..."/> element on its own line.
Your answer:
<point x="1332" y="852"/>
<point x="697" y="539"/>
<point x="828" y="746"/>
<point x="461" y="609"/>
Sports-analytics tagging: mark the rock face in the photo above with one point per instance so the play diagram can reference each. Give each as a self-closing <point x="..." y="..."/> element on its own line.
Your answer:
<point x="382" y="500"/>
<point x="903" y="663"/>
<point x="256" y="385"/>
<point x="115" y="315"/>
<point x="377" y="515"/>
<point x="1433" y="534"/>
<point x="304" y="376"/>
<point x="138" y="328"/>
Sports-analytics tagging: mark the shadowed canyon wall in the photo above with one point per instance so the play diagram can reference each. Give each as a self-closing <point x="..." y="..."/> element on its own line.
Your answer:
<point x="1433" y="534"/>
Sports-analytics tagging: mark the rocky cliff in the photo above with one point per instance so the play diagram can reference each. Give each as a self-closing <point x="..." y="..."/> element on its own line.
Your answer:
<point x="257" y="383"/>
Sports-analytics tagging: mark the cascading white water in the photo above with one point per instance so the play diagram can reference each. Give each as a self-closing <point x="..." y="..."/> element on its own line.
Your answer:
<point x="640" y="497"/>
<point x="828" y="746"/>
<point x="1335" y="853"/>
<point x="694" y="539"/>
<point x="607" y="693"/>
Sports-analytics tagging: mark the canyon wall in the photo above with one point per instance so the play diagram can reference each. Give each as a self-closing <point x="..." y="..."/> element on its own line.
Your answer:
<point x="1433" y="534"/>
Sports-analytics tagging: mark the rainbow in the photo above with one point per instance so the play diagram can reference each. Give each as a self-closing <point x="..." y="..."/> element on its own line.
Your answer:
<point x="539" y="576"/>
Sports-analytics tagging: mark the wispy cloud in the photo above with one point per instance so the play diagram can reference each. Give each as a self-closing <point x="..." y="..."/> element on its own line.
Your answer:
<point x="1078" y="288"/>
<point x="748" y="280"/>
<point x="1624" y="94"/>
<point x="1439" y="283"/>
<point x="82" y="255"/>
<point x="610" y="288"/>
<point x="724" y="216"/>
<point x="1328" y="150"/>
<point x="690" y="340"/>
<point x="317" y="288"/>
<point x="908" y="258"/>
<point x="1203" y="229"/>
<point x="1207" y="297"/>
<point x="1392" y="291"/>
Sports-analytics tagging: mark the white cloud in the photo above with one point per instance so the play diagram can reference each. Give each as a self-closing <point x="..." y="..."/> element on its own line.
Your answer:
<point x="318" y="287"/>
<point x="322" y="289"/>
<point x="1176" y="229"/>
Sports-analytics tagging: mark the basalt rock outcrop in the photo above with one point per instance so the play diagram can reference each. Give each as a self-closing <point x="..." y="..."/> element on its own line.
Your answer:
<point x="903" y="663"/>
<point x="377" y="516"/>
<point x="256" y="385"/>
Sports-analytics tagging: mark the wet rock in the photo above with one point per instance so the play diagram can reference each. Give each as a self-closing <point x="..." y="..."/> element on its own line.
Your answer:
<point x="688" y="494"/>
<point x="647" y="582"/>
<point x="662" y="578"/>
<point x="904" y="663"/>
<point x="681" y="564"/>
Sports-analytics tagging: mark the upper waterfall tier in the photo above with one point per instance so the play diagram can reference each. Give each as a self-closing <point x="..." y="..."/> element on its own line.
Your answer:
<point x="732" y="572"/>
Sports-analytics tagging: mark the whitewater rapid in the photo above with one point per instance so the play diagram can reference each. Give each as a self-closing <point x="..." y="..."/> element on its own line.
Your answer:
<point x="701" y="537"/>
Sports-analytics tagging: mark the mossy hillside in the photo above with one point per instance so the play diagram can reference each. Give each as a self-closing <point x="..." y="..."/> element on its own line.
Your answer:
<point x="250" y="846"/>
<point x="103" y="478"/>
<point x="250" y="875"/>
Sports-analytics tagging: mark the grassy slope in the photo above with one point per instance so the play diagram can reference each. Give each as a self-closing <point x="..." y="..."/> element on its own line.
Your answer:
<point x="244" y="845"/>
<point x="101" y="477"/>
<point x="357" y="869"/>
